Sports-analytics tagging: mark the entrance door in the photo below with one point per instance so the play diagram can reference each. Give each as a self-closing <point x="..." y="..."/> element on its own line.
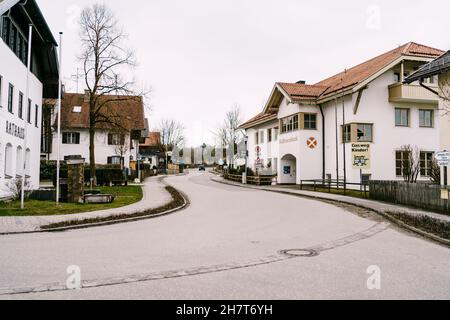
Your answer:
<point x="288" y="173"/>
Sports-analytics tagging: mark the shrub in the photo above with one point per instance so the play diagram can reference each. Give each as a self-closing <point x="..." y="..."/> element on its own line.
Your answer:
<point x="15" y="187"/>
<point x="105" y="176"/>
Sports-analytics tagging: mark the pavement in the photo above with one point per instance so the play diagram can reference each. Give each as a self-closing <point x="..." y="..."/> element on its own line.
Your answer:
<point x="377" y="206"/>
<point x="154" y="196"/>
<point x="229" y="244"/>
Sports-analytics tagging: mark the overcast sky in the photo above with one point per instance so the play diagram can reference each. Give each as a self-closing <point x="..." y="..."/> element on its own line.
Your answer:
<point x="203" y="56"/>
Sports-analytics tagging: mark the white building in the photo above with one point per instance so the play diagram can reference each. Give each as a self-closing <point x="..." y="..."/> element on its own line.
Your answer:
<point x="313" y="128"/>
<point x="116" y="143"/>
<point x="20" y="115"/>
<point x="441" y="68"/>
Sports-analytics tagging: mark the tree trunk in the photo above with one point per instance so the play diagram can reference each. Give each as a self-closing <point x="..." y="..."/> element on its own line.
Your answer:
<point x="92" y="155"/>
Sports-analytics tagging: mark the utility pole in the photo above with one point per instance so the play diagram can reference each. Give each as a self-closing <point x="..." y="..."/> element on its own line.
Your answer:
<point x="58" y="140"/>
<point x="27" y="99"/>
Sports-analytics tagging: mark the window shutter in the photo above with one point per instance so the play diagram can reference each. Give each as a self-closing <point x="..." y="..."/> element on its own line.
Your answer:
<point x="109" y="160"/>
<point x="77" y="138"/>
<point x="64" y="139"/>
<point x="354" y="132"/>
<point x="109" y="139"/>
<point x="302" y="121"/>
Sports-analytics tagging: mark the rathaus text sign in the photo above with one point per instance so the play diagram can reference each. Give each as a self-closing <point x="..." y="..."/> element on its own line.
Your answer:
<point x="15" y="130"/>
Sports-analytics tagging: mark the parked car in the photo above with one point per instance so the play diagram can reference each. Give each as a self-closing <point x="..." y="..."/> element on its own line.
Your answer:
<point x="201" y="168"/>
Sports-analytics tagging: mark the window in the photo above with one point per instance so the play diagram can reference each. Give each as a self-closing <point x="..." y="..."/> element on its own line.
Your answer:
<point x="77" y="109"/>
<point x="397" y="77"/>
<point x="275" y="133"/>
<point x="257" y="138"/>
<point x="347" y="133"/>
<point x="36" y="116"/>
<point x="115" y="139"/>
<point x="310" y="121"/>
<point x="289" y="124"/>
<point x="402" y="163"/>
<point x="8" y="160"/>
<point x="426" y="118"/>
<point x="426" y="163"/>
<point x="365" y="132"/>
<point x="71" y="138"/>
<point x="269" y="135"/>
<point x="261" y="137"/>
<point x="20" y="111"/>
<point x="29" y="111"/>
<point x="10" y="98"/>
<point x="115" y="160"/>
<point x="15" y="39"/>
<point x="401" y="117"/>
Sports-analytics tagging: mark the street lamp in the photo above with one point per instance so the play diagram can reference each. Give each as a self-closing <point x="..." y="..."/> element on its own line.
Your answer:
<point x="203" y="153"/>
<point x="244" y="175"/>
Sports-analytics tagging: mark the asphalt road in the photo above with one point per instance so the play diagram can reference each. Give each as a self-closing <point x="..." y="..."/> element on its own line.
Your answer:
<point x="227" y="245"/>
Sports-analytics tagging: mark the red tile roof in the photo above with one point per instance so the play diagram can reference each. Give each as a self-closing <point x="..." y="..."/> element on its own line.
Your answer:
<point x="363" y="71"/>
<point x="349" y="78"/>
<point x="153" y="140"/>
<point x="128" y="113"/>
<point x="262" y="117"/>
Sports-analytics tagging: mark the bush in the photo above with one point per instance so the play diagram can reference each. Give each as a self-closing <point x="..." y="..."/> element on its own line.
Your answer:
<point x="48" y="169"/>
<point x="105" y="176"/>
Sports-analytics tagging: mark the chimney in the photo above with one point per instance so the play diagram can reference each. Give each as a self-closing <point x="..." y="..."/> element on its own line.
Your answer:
<point x="87" y="95"/>
<point x="301" y="82"/>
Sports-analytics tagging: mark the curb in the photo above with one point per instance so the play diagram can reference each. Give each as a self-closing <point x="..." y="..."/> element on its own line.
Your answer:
<point x="381" y="213"/>
<point x="185" y="204"/>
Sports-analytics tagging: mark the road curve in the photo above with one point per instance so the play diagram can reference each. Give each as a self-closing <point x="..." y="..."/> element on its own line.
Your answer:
<point x="226" y="245"/>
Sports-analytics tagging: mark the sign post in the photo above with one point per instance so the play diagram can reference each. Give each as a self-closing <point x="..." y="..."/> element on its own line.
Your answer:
<point x="443" y="160"/>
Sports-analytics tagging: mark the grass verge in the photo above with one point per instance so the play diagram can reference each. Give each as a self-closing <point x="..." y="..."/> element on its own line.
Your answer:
<point x="428" y="224"/>
<point x="177" y="201"/>
<point x="348" y="192"/>
<point x="124" y="197"/>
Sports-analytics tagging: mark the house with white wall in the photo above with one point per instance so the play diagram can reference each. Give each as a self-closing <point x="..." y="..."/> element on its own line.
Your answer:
<point x="116" y="139"/>
<point x="368" y="105"/>
<point x="440" y="68"/>
<point x="20" y="113"/>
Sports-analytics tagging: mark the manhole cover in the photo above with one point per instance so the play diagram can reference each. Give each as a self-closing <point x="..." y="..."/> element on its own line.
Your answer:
<point x="300" y="253"/>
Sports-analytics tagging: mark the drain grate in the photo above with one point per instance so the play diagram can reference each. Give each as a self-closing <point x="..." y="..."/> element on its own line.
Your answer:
<point x="300" y="253"/>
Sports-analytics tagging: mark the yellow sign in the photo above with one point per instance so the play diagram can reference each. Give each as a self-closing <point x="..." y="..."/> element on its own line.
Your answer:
<point x="444" y="194"/>
<point x="361" y="156"/>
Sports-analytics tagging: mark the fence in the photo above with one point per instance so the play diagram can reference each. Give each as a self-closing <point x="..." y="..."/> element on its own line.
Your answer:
<point x="421" y="195"/>
<point x="332" y="185"/>
<point x="255" y="180"/>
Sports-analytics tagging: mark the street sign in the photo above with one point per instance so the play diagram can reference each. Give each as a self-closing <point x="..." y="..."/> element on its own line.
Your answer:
<point x="361" y="156"/>
<point x="443" y="158"/>
<point x="258" y="149"/>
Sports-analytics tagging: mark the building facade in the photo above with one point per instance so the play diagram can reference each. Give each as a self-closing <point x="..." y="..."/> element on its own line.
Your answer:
<point x="320" y="128"/>
<point x="440" y="68"/>
<point x="20" y="115"/>
<point x="116" y="140"/>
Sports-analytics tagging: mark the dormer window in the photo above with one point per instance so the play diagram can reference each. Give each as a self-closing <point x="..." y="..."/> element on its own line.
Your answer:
<point x="77" y="109"/>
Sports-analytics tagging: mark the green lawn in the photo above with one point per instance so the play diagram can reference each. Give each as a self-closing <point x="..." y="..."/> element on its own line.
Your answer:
<point x="124" y="196"/>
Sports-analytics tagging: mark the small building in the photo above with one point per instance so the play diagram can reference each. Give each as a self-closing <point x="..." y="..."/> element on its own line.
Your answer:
<point x="309" y="132"/>
<point x="150" y="149"/>
<point x="440" y="68"/>
<point x="116" y="139"/>
<point x="20" y="115"/>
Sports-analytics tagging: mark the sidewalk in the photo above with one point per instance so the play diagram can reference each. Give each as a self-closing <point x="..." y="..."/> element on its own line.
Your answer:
<point x="377" y="206"/>
<point x="154" y="196"/>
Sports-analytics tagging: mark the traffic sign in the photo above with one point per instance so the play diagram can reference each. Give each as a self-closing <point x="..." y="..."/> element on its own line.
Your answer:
<point x="443" y="158"/>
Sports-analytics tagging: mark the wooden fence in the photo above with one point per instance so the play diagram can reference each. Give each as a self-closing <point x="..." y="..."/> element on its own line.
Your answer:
<point x="421" y="195"/>
<point x="255" y="180"/>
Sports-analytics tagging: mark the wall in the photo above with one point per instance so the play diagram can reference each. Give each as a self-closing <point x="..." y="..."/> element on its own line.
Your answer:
<point x="15" y="72"/>
<point x="375" y="108"/>
<point x="102" y="149"/>
<point x="268" y="150"/>
<point x="421" y="195"/>
<point x="444" y="106"/>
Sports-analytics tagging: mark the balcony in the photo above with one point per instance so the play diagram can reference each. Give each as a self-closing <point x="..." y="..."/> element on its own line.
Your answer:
<point x="399" y="92"/>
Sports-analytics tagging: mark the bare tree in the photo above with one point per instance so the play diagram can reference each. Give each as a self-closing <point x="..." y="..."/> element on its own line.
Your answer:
<point x="410" y="163"/>
<point x="232" y="122"/>
<point x="172" y="134"/>
<point x="104" y="56"/>
<point x="435" y="172"/>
